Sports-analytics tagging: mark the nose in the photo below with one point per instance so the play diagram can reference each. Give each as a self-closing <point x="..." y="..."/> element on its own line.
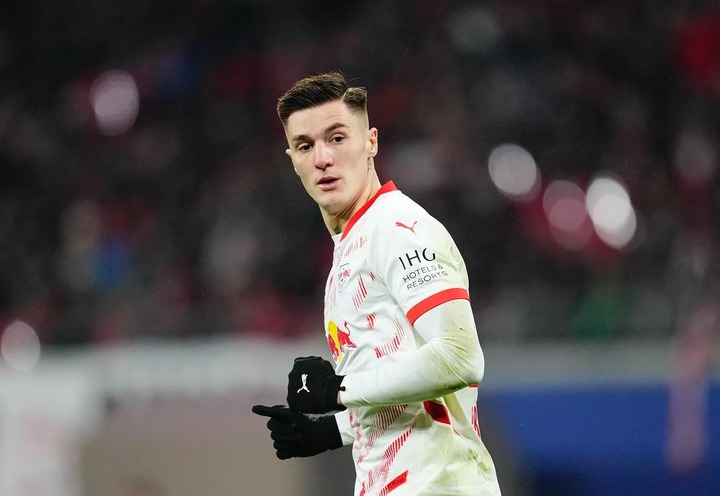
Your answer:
<point x="323" y="156"/>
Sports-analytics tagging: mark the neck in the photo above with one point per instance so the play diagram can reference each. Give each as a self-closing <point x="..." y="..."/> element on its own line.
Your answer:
<point x="336" y="223"/>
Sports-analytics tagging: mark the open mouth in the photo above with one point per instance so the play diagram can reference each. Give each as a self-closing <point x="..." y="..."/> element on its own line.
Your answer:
<point x="327" y="181"/>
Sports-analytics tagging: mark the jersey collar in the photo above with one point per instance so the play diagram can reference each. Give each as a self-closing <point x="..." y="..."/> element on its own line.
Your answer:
<point x="386" y="188"/>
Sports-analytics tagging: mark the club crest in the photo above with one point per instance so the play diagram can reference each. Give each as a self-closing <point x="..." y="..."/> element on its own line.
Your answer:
<point x="343" y="276"/>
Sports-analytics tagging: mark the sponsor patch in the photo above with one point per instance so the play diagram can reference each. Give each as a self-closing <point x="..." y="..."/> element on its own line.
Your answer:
<point x="424" y="274"/>
<point x="416" y="257"/>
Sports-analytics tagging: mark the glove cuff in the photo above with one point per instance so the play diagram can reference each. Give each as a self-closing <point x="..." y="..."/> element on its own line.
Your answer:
<point x="329" y="431"/>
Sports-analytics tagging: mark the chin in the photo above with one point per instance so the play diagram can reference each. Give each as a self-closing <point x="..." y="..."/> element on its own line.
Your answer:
<point x="331" y="206"/>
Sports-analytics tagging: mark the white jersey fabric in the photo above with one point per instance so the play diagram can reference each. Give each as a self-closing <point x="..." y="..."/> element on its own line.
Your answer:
<point x="395" y="267"/>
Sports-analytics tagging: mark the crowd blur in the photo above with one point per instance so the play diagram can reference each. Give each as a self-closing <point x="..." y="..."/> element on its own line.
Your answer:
<point x="145" y="193"/>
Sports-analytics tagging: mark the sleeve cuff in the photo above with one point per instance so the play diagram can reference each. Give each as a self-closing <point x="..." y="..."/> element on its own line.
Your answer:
<point x="344" y="427"/>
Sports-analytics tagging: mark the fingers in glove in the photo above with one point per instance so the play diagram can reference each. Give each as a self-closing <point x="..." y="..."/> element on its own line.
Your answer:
<point x="286" y="454"/>
<point x="281" y="426"/>
<point x="294" y="438"/>
<point x="276" y="412"/>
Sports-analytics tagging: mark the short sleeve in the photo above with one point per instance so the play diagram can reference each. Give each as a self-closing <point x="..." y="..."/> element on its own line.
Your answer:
<point x="418" y="261"/>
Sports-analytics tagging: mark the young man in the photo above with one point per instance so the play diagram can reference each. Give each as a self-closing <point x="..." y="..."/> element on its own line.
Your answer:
<point x="398" y="319"/>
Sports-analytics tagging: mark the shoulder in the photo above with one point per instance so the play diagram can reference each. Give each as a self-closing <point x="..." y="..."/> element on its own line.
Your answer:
<point x="399" y="215"/>
<point x="400" y="220"/>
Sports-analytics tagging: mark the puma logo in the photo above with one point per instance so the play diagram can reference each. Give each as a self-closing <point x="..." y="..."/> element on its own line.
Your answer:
<point x="304" y="383"/>
<point x="409" y="228"/>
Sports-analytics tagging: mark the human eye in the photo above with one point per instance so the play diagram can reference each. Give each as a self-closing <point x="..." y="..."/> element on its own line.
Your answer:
<point x="337" y="138"/>
<point x="303" y="147"/>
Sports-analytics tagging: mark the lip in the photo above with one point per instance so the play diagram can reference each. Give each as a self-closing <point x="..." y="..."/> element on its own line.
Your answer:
<point x="326" y="183"/>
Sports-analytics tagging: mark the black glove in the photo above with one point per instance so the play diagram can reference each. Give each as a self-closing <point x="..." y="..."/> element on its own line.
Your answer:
<point x="313" y="386"/>
<point x="296" y="434"/>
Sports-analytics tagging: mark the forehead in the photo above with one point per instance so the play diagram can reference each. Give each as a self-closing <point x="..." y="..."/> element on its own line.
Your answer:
<point x="315" y="120"/>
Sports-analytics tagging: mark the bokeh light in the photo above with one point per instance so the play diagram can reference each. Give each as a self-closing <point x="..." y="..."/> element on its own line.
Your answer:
<point x="115" y="101"/>
<point x="611" y="211"/>
<point x="564" y="206"/>
<point x="20" y="346"/>
<point x="514" y="172"/>
<point x="695" y="157"/>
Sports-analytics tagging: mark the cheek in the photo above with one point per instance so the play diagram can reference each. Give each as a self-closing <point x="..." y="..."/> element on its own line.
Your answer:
<point x="303" y="176"/>
<point x="305" y="179"/>
<point x="299" y="169"/>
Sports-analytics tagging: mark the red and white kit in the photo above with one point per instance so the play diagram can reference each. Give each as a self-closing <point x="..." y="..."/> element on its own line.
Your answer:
<point x="399" y="325"/>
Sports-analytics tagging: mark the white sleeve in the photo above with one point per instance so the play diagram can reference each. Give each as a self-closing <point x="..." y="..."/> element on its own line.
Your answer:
<point x="347" y="434"/>
<point x="425" y="275"/>
<point x="420" y="268"/>
<point x="451" y="359"/>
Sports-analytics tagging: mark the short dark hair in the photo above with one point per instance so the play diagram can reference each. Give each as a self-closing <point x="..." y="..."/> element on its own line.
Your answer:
<point x="316" y="90"/>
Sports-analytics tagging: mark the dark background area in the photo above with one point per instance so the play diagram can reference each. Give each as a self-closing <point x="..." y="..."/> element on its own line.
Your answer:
<point x="188" y="221"/>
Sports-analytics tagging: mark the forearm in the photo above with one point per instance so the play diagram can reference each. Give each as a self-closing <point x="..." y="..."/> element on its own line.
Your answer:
<point x="450" y="360"/>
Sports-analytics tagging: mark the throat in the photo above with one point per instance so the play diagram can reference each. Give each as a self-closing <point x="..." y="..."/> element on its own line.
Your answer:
<point x="337" y="222"/>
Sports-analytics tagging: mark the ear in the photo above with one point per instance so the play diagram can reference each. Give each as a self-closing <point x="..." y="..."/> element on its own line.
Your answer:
<point x="373" y="141"/>
<point x="287" y="152"/>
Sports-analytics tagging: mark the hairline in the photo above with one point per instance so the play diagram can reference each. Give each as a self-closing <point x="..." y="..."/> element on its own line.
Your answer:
<point x="363" y="113"/>
<point x="307" y="93"/>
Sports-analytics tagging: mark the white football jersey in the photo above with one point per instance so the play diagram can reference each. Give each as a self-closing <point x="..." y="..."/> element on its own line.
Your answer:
<point x="393" y="263"/>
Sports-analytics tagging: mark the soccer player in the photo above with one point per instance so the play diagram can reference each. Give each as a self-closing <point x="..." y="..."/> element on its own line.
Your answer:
<point x="398" y="320"/>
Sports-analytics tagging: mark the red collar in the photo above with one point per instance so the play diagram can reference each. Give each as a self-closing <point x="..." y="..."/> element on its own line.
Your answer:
<point x="387" y="187"/>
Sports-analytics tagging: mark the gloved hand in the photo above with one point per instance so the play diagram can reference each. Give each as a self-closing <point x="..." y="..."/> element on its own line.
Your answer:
<point x="313" y="386"/>
<point x="298" y="435"/>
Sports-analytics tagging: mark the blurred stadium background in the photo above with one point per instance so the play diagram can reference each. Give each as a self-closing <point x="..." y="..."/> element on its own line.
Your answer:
<point x="160" y="265"/>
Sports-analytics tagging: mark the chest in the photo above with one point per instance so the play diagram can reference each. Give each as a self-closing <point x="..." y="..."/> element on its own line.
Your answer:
<point x="353" y="286"/>
<point x="361" y="315"/>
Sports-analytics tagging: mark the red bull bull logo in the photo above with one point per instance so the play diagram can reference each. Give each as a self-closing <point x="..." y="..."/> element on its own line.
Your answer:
<point x="339" y="340"/>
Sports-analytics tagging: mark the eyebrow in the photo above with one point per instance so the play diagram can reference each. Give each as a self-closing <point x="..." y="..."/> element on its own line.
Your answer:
<point x="329" y="129"/>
